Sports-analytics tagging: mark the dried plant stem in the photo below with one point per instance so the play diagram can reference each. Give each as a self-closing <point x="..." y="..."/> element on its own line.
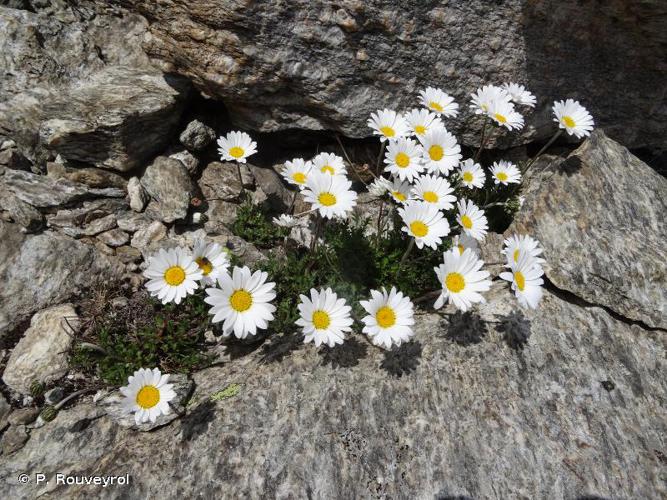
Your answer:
<point x="340" y="143"/>
<point x="482" y="140"/>
<point x="405" y="256"/>
<point x="544" y="148"/>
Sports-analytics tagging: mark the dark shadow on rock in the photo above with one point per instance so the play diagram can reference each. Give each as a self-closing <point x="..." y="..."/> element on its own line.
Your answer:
<point x="239" y="348"/>
<point x="444" y="496"/>
<point x="466" y="328"/>
<point x="592" y="497"/>
<point x="345" y="355"/>
<point x="278" y="347"/>
<point x="515" y="329"/>
<point x="570" y="166"/>
<point x="198" y="420"/>
<point x="402" y="360"/>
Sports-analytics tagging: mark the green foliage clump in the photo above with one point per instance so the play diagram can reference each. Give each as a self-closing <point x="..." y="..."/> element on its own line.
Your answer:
<point x="254" y="225"/>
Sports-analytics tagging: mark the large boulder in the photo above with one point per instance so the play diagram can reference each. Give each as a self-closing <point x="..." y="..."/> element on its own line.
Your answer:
<point x="328" y="64"/>
<point x="600" y="215"/>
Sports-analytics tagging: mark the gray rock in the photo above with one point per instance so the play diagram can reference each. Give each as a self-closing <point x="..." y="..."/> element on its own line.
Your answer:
<point x="41" y="354"/>
<point x="23" y="416"/>
<point x="128" y="254"/>
<point x="155" y="231"/>
<point x="35" y="275"/>
<point x="269" y="182"/>
<point x="137" y="195"/>
<point x="93" y="177"/>
<point x="600" y="215"/>
<point x="197" y="136"/>
<point x="114" y="238"/>
<point x="13" y="439"/>
<point x="220" y="181"/>
<point x="131" y="222"/>
<point x="5" y="408"/>
<point x="12" y="158"/>
<point x="92" y="228"/>
<point x="327" y="66"/>
<point x="54" y="396"/>
<point x="19" y="211"/>
<point x="43" y="192"/>
<point x="167" y="181"/>
<point x="190" y="161"/>
<point x="90" y="219"/>
<point x="219" y="216"/>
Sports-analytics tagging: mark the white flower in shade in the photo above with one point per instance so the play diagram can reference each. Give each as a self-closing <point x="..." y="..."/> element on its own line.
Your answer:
<point x="147" y="395"/>
<point x="518" y="244"/>
<point x="573" y="117"/>
<point x="172" y="275"/>
<point x="388" y="124"/>
<point x="519" y="95"/>
<point x="324" y="318"/>
<point x="329" y="163"/>
<point x="463" y="242"/>
<point x="379" y="187"/>
<point x="472" y="219"/>
<point x="390" y="318"/>
<point x="330" y="195"/>
<point x="286" y="220"/>
<point x="236" y="146"/>
<point x="434" y="190"/>
<point x="212" y="260"/>
<point x="242" y="302"/>
<point x="503" y="113"/>
<point x="472" y="175"/>
<point x="400" y="191"/>
<point x="482" y="98"/>
<point x="462" y="279"/>
<point x="505" y="172"/>
<point x="526" y="279"/>
<point x="296" y="171"/>
<point x="425" y="223"/>
<point x="439" y="102"/>
<point x="421" y="121"/>
<point x="441" y="152"/>
<point x="403" y="159"/>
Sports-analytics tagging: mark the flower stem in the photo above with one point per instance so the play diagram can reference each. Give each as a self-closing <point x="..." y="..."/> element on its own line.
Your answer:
<point x="405" y="256"/>
<point x="238" y="169"/>
<point x="544" y="148"/>
<point x="377" y="233"/>
<point x="291" y="206"/>
<point x="482" y="140"/>
<point x="350" y="161"/>
<point x="379" y="162"/>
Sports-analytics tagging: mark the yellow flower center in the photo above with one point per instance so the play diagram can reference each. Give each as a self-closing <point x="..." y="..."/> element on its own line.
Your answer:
<point x="501" y="176"/>
<point x="321" y="319"/>
<point x="435" y="105"/>
<point x="519" y="280"/>
<point x="327" y="199"/>
<point x="455" y="282"/>
<point x="236" y="152"/>
<point x="388" y="131"/>
<point x="148" y="396"/>
<point x="240" y="300"/>
<point x="399" y="196"/>
<point x="402" y="160"/>
<point x="205" y="265"/>
<point x="299" y="178"/>
<point x="461" y="249"/>
<point x="568" y="121"/>
<point x="385" y="317"/>
<point x="516" y="255"/>
<point x="327" y="169"/>
<point x="500" y="118"/>
<point x="436" y="152"/>
<point x="174" y="276"/>
<point x="466" y="222"/>
<point x="420" y="129"/>
<point x="431" y="197"/>
<point x="419" y="229"/>
<point x="467" y="176"/>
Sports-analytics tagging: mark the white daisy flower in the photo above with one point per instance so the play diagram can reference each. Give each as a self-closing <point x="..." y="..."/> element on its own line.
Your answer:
<point x="425" y="223"/>
<point x="441" y="153"/>
<point x="147" y="395"/>
<point x="461" y="279"/>
<point x="463" y="242"/>
<point x="390" y="318"/>
<point x="329" y="163"/>
<point x="330" y="194"/>
<point x="525" y="277"/>
<point x="296" y="171"/>
<point x="503" y="113"/>
<point x="324" y="318"/>
<point x="472" y="174"/>
<point x="403" y="159"/>
<point x="400" y="191"/>
<point x="439" y="102"/>
<point x="379" y="187"/>
<point x="286" y="220"/>
<point x="242" y="302"/>
<point x="421" y="121"/>
<point x="388" y="124"/>
<point x="434" y="190"/>
<point x="172" y="275"/>
<point x="482" y="98"/>
<point x="518" y="244"/>
<point x="573" y="117"/>
<point x="472" y="219"/>
<point x="236" y="146"/>
<point x="519" y="95"/>
<point x="505" y="172"/>
<point x="212" y="260"/>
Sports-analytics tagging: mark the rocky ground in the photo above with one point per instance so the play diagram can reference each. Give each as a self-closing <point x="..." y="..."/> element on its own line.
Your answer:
<point x="104" y="159"/>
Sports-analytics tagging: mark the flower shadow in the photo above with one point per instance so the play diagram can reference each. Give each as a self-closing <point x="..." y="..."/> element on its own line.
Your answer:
<point x="197" y="422"/>
<point x="402" y="360"/>
<point x="466" y="328"/>
<point x="279" y="347"/>
<point x="515" y="329"/>
<point x="345" y="355"/>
